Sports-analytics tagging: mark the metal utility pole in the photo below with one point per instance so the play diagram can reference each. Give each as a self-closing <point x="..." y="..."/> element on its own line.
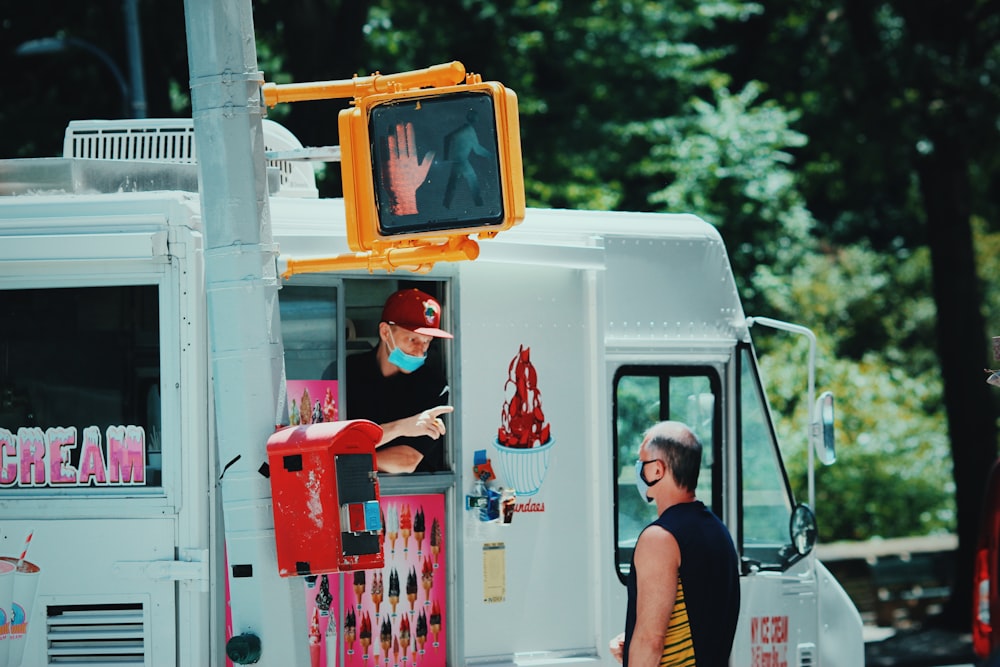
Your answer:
<point x="133" y="37"/>
<point x="246" y="353"/>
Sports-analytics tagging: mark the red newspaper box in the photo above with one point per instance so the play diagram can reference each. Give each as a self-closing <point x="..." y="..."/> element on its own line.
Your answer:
<point x="324" y="491"/>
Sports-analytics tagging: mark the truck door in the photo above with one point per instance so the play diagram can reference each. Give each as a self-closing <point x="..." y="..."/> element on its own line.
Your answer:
<point x="645" y="395"/>
<point x="102" y="385"/>
<point x="779" y="608"/>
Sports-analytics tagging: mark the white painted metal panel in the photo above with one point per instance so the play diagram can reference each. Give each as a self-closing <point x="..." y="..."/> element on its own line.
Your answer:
<point x="550" y="604"/>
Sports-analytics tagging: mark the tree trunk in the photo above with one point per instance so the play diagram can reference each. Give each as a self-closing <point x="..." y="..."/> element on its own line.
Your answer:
<point x="962" y="344"/>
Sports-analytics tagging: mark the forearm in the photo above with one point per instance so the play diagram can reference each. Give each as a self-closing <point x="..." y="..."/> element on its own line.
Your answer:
<point x="399" y="458"/>
<point x="645" y="651"/>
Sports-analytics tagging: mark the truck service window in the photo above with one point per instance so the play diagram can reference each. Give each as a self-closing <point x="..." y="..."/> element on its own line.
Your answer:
<point x="644" y="396"/>
<point x="79" y="388"/>
<point x="309" y="331"/>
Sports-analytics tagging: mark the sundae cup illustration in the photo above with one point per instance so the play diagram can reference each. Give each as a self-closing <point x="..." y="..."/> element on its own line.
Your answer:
<point x="393" y="589"/>
<point x="435" y="621"/>
<point x="350" y="623"/>
<point x="523" y="439"/>
<point x="427" y="579"/>
<point x="405" y="526"/>
<point x="411" y="587"/>
<point x="377" y="590"/>
<point x="395" y="650"/>
<point x="418" y="528"/>
<point x="436" y="539"/>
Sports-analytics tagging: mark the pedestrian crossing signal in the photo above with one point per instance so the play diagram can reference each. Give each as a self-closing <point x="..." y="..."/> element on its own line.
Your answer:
<point x="425" y="164"/>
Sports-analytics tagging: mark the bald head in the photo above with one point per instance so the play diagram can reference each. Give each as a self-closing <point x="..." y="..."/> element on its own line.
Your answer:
<point x="680" y="448"/>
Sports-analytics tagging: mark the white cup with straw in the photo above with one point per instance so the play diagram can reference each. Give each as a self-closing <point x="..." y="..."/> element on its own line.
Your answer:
<point x="25" y="586"/>
<point x="6" y="606"/>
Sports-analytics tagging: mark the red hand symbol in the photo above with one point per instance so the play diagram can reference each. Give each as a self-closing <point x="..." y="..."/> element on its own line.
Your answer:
<point x="405" y="172"/>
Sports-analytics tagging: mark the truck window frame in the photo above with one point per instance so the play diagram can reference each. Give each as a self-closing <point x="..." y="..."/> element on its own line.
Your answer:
<point x="774" y="554"/>
<point x="713" y="451"/>
<point x="63" y="500"/>
<point x="359" y="301"/>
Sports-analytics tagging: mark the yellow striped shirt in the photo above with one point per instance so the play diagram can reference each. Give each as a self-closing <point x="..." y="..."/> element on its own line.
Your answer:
<point x="678" y="649"/>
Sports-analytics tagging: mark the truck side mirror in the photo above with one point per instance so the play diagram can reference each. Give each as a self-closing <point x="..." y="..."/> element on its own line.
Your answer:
<point x="823" y="431"/>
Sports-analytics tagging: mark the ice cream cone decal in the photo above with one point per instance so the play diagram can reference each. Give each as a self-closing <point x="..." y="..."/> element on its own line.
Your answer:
<point x="323" y="597"/>
<point x="405" y="526"/>
<point x="365" y="634"/>
<point x="331" y="643"/>
<point x="350" y="625"/>
<point x="392" y="527"/>
<point x="314" y="639"/>
<point x="359" y="586"/>
<point x="411" y="587"/>
<point x="385" y="638"/>
<point x="377" y="591"/>
<point x="393" y="589"/>
<point x="436" y="539"/>
<point x="418" y="529"/>
<point x="436" y="621"/>
<point x="404" y="636"/>
<point x="427" y="579"/>
<point x="421" y="631"/>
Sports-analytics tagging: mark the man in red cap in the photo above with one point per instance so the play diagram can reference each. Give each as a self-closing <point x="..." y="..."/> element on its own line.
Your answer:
<point x="392" y="386"/>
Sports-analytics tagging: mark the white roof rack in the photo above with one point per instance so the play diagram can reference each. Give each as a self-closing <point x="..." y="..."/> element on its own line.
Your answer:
<point x="172" y="140"/>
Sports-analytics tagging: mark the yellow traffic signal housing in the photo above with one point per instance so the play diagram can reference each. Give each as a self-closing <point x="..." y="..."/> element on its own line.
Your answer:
<point x="431" y="164"/>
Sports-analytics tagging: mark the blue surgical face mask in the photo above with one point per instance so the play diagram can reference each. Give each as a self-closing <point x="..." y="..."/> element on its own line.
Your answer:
<point x="402" y="360"/>
<point x="640" y="479"/>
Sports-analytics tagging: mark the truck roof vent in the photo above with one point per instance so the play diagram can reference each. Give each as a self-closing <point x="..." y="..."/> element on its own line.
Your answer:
<point x="96" y="633"/>
<point x="172" y="140"/>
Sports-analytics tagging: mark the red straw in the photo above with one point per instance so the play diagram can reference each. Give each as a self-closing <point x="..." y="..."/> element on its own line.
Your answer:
<point x="20" y="561"/>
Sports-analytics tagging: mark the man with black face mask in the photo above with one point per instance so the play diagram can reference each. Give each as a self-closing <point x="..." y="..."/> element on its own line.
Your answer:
<point x="684" y="584"/>
<point x="392" y="387"/>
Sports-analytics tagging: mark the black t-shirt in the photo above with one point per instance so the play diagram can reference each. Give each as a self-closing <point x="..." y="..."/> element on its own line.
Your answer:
<point x="381" y="399"/>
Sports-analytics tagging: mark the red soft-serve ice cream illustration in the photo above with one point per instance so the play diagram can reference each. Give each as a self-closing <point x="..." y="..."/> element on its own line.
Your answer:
<point x="524" y="437"/>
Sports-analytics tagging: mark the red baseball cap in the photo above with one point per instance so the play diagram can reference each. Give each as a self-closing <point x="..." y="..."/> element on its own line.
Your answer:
<point x="414" y="310"/>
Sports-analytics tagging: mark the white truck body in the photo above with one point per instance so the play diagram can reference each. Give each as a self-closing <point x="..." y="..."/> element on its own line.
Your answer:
<point x="609" y="304"/>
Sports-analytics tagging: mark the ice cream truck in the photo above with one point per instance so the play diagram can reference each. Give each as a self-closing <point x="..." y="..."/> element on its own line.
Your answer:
<point x="579" y="328"/>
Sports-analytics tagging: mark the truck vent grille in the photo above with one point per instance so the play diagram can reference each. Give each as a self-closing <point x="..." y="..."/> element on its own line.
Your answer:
<point x="807" y="655"/>
<point x="172" y="140"/>
<point x="96" y="634"/>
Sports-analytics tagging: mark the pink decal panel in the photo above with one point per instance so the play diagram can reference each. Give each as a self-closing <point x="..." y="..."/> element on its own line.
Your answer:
<point x="394" y="616"/>
<point x="311" y="401"/>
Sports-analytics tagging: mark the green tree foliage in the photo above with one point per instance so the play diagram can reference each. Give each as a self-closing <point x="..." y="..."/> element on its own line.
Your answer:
<point x="889" y="480"/>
